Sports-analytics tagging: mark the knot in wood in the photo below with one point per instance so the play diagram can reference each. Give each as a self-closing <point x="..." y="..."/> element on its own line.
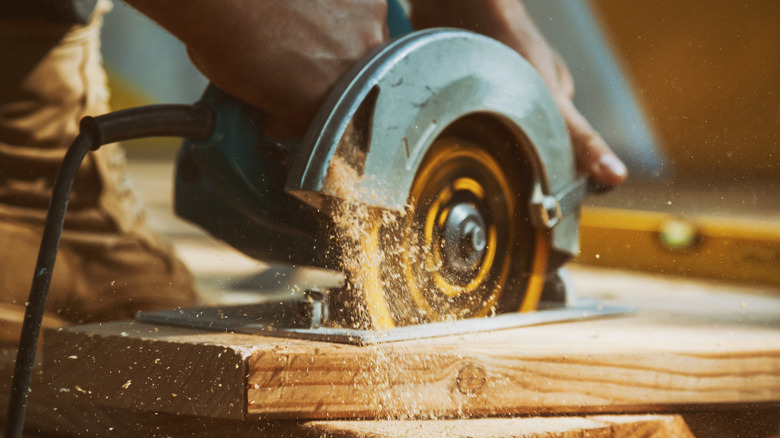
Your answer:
<point x="471" y="379"/>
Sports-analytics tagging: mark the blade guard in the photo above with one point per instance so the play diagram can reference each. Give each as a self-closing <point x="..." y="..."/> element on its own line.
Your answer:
<point x="407" y="93"/>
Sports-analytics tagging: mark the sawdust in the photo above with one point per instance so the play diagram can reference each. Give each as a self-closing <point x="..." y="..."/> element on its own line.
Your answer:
<point x="355" y="230"/>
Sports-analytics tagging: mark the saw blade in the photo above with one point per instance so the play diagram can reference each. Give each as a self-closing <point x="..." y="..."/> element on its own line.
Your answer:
<point x="463" y="248"/>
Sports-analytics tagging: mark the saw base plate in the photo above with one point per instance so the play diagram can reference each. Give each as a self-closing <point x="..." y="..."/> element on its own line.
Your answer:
<point x="265" y="320"/>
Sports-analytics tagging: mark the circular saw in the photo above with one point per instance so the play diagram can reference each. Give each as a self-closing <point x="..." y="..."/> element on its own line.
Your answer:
<point x="438" y="176"/>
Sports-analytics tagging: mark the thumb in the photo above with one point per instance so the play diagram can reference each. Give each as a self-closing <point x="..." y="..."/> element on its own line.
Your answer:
<point x="594" y="156"/>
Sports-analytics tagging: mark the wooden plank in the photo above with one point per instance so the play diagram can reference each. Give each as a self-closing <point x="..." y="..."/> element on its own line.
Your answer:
<point x="613" y="426"/>
<point x="690" y="344"/>
<point x="581" y="368"/>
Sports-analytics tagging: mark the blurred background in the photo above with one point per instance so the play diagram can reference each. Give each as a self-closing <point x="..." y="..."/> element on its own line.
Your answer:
<point x="707" y="74"/>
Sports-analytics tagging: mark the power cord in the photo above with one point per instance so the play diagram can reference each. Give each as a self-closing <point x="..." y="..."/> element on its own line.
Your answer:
<point x="194" y="122"/>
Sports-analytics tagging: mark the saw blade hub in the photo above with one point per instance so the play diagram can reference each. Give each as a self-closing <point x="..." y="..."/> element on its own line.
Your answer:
<point x="464" y="238"/>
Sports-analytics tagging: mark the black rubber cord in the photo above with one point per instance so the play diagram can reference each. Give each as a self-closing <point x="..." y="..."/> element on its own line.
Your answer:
<point x="33" y="315"/>
<point x="190" y="121"/>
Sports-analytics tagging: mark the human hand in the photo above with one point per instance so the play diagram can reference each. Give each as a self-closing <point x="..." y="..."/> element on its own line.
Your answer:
<point x="507" y="21"/>
<point x="282" y="57"/>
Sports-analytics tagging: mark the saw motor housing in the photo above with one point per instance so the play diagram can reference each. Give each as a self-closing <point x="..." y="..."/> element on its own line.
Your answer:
<point x="446" y="95"/>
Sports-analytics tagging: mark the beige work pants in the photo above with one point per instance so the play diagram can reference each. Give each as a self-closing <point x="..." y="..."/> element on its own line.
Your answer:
<point x="110" y="265"/>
